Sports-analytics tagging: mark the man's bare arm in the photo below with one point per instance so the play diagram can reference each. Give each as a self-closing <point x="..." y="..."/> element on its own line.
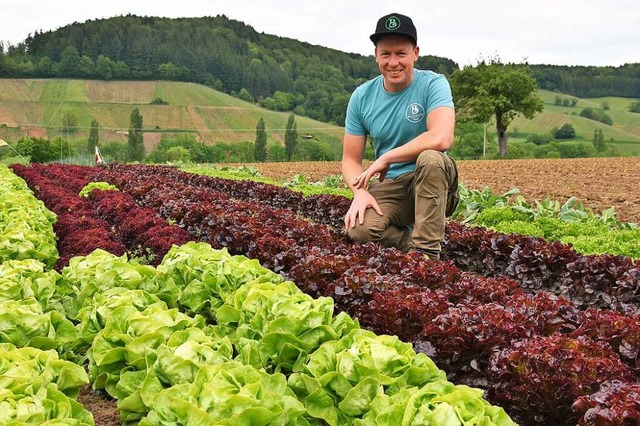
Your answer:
<point x="439" y="137"/>
<point x="352" y="155"/>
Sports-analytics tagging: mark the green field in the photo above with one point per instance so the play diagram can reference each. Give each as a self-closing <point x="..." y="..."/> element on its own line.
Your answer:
<point x="29" y="107"/>
<point x="36" y="107"/>
<point x="624" y="134"/>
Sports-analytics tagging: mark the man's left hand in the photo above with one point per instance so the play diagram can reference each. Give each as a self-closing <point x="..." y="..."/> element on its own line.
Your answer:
<point x="378" y="166"/>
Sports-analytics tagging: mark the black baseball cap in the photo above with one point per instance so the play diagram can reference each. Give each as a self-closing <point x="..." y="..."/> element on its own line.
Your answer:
<point x="395" y="23"/>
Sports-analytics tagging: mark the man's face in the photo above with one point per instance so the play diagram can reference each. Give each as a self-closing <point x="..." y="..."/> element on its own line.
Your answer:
<point x="396" y="56"/>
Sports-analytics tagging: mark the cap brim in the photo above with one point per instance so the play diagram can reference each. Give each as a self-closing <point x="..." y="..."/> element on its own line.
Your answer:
<point x="377" y="36"/>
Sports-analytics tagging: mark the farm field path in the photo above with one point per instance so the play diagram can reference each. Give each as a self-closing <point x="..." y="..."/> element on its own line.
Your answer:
<point x="101" y="406"/>
<point x="599" y="183"/>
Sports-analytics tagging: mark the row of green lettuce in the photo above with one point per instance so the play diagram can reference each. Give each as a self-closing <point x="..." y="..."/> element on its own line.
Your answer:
<point x="333" y="184"/>
<point x="570" y="222"/>
<point x="38" y="388"/>
<point x="205" y="338"/>
<point x="36" y="385"/>
<point x="26" y="230"/>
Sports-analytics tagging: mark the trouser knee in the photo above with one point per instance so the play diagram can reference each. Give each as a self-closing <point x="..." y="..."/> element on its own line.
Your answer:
<point x="362" y="234"/>
<point x="429" y="158"/>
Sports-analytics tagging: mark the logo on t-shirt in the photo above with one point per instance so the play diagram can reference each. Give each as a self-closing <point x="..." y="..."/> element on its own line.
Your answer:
<point x="415" y="112"/>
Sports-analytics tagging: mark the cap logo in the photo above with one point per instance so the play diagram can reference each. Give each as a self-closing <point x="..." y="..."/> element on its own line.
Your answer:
<point x="392" y="23"/>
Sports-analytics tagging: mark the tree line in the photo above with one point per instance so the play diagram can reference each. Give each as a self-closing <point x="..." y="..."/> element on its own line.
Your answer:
<point x="228" y="55"/>
<point x="185" y="148"/>
<point x="279" y="73"/>
<point x="590" y="81"/>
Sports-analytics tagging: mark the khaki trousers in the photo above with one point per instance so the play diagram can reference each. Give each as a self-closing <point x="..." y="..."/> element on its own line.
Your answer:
<point x="418" y="198"/>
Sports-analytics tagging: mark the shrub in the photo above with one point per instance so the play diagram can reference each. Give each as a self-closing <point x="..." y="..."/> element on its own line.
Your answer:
<point x="539" y="139"/>
<point x="597" y="115"/>
<point x="277" y="153"/>
<point x="565" y="132"/>
<point x="159" y="101"/>
<point x="634" y="107"/>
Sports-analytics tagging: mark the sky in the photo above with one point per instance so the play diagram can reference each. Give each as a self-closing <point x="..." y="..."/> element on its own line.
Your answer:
<point x="558" y="32"/>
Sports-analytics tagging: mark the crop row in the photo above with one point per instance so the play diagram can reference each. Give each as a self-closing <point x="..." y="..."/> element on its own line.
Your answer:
<point x="603" y="281"/>
<point x="273" y="352"/>
<point x="78" y="228"/>
<point x="25" y="224"/>
<point x="37" y="387"/>
<point x="475" y="334"/>
<point x="109" y="220"/>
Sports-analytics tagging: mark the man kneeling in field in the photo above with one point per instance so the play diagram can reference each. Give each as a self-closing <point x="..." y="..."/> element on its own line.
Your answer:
<point x="410" y="117"/>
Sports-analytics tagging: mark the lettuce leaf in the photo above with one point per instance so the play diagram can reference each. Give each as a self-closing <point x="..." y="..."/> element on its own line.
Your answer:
<point x="228" y="394"/>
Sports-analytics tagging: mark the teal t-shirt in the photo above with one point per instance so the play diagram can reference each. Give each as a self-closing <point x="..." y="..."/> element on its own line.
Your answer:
<point x="393" y="119"/>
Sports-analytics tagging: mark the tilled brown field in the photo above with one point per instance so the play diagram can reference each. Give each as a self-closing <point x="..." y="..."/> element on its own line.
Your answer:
<point x="599" y="183"/>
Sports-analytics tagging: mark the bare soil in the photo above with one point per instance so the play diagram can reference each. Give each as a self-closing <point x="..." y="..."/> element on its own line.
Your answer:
<point x="599" y="183"/>
<point x="101" y="405"/>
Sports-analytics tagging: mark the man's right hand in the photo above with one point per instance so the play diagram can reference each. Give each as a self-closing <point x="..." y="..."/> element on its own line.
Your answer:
<point x="362" y="200"/>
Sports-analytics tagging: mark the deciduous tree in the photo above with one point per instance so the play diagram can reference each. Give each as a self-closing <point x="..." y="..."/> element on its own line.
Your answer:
<point x="634" y="107"/>
<point x="69" y="62"/>
<point x="565" y="132"/>
<point x="494" y="89"/>
<point x="104" y="67"/>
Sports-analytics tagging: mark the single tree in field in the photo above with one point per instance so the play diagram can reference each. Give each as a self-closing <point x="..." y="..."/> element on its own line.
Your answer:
<point x="93" y="136"/>
<point x="493" y="89"/>
<point x="598" y="140"/>
<point x="260" y="150"/>
<point x="135" y="144"/>
<point x="291" y="137"/>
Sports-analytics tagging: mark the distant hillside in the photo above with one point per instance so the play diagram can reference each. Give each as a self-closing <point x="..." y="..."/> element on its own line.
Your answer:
<point x="590" y="82"/>
<point x="281" y="73"/>
<point x="35" y="107"/>
<point x="624" y="133"/>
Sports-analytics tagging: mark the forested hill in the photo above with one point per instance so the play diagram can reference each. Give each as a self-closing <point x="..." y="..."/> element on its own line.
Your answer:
<point x="590" y="82"/>
<point x="281" y="73"/>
